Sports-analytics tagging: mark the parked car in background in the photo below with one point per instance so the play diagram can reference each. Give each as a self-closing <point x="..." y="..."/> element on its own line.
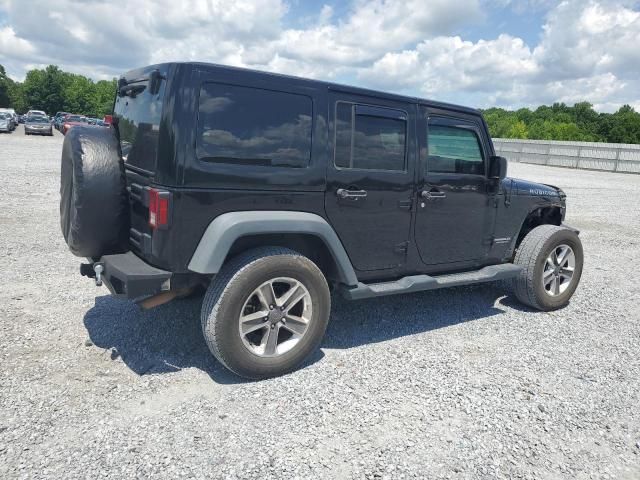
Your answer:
<point x="71" y="121"/>
<point x="58" y="120"/>
<point x="21" y="118"/>
<point x="12" y="115"/>
<point x="108" y="120"/>
<point x="92" y="121"/>
<point x="38" y="125"/>
<point x="6" y="122"/>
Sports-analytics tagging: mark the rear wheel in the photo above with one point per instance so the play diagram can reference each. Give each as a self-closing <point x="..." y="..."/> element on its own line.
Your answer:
<point x="551" y="258"/>
<point x="266" y="312"/>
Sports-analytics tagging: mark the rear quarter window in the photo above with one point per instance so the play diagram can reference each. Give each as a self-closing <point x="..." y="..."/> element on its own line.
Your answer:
<point x="253" y="126"/>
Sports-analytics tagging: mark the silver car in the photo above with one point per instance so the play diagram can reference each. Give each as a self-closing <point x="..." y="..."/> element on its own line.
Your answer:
<point x="37" y="125"/>
<point x="6" y="122"/>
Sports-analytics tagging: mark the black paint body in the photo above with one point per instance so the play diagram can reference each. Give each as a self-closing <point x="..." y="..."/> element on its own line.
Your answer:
<point x="391" y="233"/>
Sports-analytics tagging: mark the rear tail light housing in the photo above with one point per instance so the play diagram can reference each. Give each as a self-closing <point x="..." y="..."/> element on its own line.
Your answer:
<point x="159" y="208"/>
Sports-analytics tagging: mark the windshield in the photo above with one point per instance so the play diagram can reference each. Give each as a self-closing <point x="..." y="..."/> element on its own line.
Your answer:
<point x="3" y="116"/>
<point x="38" y="120"/>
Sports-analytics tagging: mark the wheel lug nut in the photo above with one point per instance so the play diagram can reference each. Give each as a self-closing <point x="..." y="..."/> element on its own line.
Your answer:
<point x="270" y="307"/>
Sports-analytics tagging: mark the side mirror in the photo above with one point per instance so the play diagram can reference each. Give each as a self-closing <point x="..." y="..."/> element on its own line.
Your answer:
<point x="497" y="167"/>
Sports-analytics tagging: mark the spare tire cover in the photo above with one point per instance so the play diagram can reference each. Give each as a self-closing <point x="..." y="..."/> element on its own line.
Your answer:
<point x="94" y="206"/>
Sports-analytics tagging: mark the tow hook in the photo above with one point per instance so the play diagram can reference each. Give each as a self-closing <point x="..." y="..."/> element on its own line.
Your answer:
<point x="98" y="268"/>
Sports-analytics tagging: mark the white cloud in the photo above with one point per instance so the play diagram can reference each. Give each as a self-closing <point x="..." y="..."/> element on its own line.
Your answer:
<point x="449" y="64"/>
<point x="12" y="46"/>
<point x="111" y="37"/>
<point x="370" y="30"/>
<point x="587" y="50"/>
<point x="585" y="38"/>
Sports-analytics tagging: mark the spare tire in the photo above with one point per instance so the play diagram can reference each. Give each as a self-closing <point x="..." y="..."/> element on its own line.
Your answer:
<point x="94" y="204"/>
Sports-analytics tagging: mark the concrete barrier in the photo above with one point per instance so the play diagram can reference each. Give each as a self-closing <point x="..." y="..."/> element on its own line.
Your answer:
<point x="610" y="157"/>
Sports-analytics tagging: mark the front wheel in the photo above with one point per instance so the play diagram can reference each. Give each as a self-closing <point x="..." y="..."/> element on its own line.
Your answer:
<point x="551" y="258"/>
<point x="266" y="312"/>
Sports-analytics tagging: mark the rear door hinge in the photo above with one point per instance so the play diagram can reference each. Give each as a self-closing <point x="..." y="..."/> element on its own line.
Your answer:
<point x="405" y="204"/>
<point x="401" y="247"/>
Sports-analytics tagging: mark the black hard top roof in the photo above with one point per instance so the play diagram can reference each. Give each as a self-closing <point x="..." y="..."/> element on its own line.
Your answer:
<point x="329" y="85"/>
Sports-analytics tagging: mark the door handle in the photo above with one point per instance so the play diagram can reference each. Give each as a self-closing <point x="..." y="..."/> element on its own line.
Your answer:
<point x="432" y="195"/>
<point x="354" y="194"/>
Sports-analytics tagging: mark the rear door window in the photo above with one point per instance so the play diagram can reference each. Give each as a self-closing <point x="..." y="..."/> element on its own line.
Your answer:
<point x="370" y="138"/>
<point x="253" y="126"/>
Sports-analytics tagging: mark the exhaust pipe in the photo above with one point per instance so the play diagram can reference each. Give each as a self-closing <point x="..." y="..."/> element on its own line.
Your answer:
<point x="164" y="297"/>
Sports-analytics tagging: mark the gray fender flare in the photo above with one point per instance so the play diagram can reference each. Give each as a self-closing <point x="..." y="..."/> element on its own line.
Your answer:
<point x="225" y="229"/>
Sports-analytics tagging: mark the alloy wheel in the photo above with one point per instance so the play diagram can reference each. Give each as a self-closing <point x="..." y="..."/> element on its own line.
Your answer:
<point x="558" y="270"/>
<point x="275" y="317"/>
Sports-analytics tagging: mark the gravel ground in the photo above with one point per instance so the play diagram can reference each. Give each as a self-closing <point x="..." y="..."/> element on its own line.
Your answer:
<point x="462" y="383"/>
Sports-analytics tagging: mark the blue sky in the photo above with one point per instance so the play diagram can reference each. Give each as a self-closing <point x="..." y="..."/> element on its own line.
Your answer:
<point x="483" y="53"/>
<point x="515" y="20"/>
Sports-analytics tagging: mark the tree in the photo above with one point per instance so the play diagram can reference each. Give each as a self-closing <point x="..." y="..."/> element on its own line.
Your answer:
<point x="43" y="89"/>
<point x="5" y="100"/>
<point x="79" y="95"/>
<point x="53" y="90"/>
<point x="17" y="98"/>
<point x="518" y="130"/>
<point x="625" y="126"/>
<point x="104" y="96"/>
<point x="579" y="122"/>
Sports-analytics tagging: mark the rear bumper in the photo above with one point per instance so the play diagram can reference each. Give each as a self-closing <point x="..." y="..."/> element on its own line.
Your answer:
<point x="39" y="131"/>
<point x="127" y="275"/>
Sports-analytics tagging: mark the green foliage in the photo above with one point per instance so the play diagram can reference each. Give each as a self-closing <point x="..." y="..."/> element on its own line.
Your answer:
<point x="561" y="122"/>
<point x="54" y="90"/>
<point x="5" y="81"/>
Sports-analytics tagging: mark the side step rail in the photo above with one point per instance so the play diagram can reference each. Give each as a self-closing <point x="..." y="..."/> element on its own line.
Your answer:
<point x="419" y="283"/>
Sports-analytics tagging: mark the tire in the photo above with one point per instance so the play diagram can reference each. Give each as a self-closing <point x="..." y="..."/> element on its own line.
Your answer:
<point x="539" y="245"/>
<point x="230" y="294"/>
<point x="94" y="204"/>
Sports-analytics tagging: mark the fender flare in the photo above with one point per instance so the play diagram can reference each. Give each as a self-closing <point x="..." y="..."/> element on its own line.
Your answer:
<point x="224" y="230"/>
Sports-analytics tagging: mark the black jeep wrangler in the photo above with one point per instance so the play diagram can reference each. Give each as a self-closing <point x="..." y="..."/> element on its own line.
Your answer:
<point x="268" y="190"/>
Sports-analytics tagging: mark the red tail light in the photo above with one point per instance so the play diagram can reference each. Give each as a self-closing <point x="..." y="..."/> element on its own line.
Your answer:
<point x="159" y="203"/>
